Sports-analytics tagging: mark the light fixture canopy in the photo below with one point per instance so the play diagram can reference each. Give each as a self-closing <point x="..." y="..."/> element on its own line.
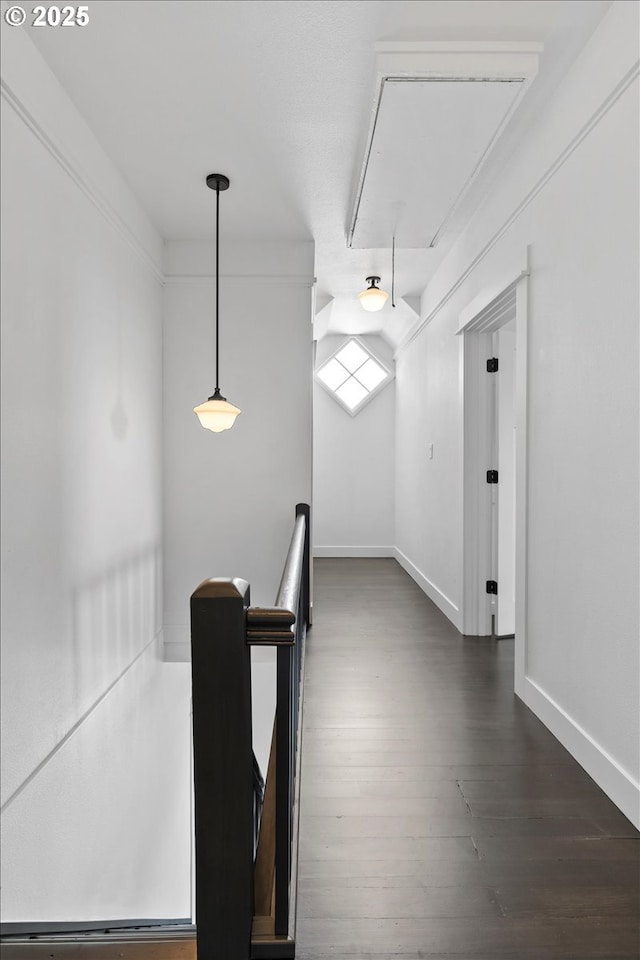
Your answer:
<point x="373" y="298"/>
<point x="216" y="413"/>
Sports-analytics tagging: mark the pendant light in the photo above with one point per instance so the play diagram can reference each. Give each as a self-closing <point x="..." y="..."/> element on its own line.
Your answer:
<point x="217" y="413"/>
<point x="373" y="298"/>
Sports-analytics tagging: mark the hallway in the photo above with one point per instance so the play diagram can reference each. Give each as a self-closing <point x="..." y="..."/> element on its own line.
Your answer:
<point x="439" y="817"/>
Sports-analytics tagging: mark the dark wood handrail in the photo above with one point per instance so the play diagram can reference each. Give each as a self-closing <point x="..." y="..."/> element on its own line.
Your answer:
<point x="272" y="626"/>
<point x="291" y="575"/>
<point x="223" y="628"/>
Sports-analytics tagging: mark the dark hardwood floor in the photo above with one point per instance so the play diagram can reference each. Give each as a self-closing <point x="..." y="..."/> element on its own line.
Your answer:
<point x="439" y="818"/>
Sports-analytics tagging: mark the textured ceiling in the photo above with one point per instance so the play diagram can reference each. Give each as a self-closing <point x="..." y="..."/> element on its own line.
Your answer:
<point x="277" y="94"/>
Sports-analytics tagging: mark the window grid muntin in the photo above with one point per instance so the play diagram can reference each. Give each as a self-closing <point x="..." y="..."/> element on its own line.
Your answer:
<point x="378" y="366"/>
<point x="328" y="364"/>
<point x="350" y="353"/>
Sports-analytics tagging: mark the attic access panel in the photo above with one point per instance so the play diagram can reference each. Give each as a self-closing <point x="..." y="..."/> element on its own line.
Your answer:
<point x="429" y="142"/>
<point x="438" y="111"/>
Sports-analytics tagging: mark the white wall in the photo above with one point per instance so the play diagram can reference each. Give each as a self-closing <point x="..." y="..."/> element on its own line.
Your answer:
<point x="571" y="193"/>
<point x="230" y="497"/>
<point x="429" y="491"/>
<point x="353" y="466"/>
<point x="95" y="739"/>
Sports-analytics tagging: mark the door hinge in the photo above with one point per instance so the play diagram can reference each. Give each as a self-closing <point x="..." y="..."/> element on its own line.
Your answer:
<point x="492" y="476"/>
<point x="492" y="586"/>
<point x="492" y="365"/>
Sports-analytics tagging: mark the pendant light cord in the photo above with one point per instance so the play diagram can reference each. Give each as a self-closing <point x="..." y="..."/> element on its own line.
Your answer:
<point x="217" y="275"/>
<point x="393" y="271"/>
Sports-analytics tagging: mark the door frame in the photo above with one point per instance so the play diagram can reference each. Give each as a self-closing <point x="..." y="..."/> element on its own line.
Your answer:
<point x="485" y="314"/>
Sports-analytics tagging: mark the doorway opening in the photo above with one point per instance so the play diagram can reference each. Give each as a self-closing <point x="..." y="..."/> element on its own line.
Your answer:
<point x="493" y="338"/>
<point x="502" y="450"/>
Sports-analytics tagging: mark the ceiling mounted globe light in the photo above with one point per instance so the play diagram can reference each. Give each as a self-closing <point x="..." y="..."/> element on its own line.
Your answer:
<point x="216" y="413"/>
<point x="373" y="298"/>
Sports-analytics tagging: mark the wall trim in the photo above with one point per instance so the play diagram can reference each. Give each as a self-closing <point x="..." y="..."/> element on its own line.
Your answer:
<point x="177" y="643"/>
<point x="616" y="782"/>
<point x="176" y="651"/>
<point x="157" y="638"/>
<point x="81" y="181"/>
<point x="347" y="551"/>
<point x="489" y="311"/>
<point x="601" y="110"/>
<point x="441" y="600"/>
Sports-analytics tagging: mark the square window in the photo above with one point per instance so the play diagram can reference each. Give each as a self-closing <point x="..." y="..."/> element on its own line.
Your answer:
<point x="353" y="375"/>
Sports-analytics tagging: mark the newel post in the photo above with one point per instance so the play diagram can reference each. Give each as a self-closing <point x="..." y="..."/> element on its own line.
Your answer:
<point x="223" y="771"/>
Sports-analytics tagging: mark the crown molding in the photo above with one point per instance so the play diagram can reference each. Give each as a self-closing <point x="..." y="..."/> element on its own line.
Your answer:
<point x="202" y="279"/>
<point x="81" y="180"/>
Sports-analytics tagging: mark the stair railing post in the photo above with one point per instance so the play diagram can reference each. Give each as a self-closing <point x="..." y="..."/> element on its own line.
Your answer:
<point x="223" y="769"/>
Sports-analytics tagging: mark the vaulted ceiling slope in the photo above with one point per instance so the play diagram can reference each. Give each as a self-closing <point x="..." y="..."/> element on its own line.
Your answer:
<point x="278" y="94"/>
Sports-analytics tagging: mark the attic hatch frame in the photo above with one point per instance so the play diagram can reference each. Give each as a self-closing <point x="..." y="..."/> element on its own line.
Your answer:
<point x="447" y="62"/>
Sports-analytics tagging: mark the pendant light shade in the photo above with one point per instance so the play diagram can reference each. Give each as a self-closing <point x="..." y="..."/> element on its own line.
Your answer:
<point x="373" y="298"/>
<point x="216" y="413"/>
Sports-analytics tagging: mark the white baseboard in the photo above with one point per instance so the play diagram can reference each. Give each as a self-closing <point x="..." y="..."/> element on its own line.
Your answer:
<point x="177" y="652"/>
<point x="177" y="643"/>
<point x="353" y="551"/>
<point x="616" y="782"/>
<point x="440" y="599"/>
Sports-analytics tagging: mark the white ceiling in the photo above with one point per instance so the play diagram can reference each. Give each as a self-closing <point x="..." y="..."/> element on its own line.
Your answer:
<point x="277" y="94"/>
